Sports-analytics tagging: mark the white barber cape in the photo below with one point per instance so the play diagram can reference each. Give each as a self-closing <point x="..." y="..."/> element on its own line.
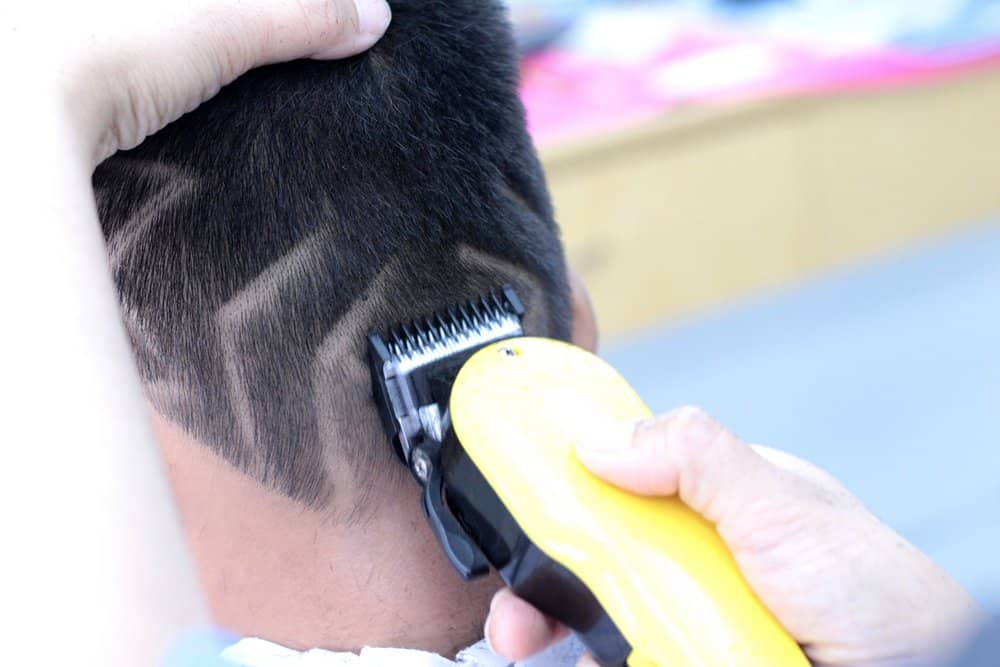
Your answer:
<point x="254" y="652"/>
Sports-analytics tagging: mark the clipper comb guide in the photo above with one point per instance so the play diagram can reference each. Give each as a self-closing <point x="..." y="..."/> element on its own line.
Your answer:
<point x="413" y="368"/>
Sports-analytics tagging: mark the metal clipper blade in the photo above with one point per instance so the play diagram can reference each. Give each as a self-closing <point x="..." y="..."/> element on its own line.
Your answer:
<point x="413" y="369"/>
<point x="414" y="365"/>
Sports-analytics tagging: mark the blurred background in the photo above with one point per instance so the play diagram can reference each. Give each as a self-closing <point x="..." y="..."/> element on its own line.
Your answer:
<point x="788" y="212"/>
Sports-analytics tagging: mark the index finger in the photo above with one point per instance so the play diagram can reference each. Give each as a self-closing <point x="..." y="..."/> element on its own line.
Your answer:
<point x="516" y="630"/>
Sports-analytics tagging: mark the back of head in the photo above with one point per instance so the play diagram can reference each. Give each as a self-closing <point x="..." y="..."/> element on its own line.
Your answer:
<point x="257" y="240"/>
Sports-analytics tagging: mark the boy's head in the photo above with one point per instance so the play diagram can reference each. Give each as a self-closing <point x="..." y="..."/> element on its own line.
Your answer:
<point x="257" y="240"/>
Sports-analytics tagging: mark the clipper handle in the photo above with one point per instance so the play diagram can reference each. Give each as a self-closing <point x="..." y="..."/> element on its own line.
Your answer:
<point x="464" y="556"/>
<point x="526" y="569"/>
<point x="659" y="571"/>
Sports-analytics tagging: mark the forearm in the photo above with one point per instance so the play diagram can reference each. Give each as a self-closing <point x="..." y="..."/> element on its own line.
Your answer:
<point x="96" y="571"/>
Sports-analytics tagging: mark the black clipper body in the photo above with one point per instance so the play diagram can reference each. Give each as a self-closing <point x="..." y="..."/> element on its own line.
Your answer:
<point x="413" y="369"/>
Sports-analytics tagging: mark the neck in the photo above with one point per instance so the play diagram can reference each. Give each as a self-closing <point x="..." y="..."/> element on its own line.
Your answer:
<point x="271" y="568"/>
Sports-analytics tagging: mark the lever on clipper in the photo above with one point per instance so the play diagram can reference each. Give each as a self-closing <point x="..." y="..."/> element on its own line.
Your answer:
<point x="412" y="374"/>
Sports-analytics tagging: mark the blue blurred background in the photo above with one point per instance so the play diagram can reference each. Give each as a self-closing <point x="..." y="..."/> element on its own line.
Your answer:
<point x="887" y="375"/>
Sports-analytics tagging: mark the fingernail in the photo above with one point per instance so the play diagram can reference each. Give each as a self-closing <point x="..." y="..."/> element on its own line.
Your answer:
<point x="587" y="660"/>
<point x="608" y="437"/>
<point x="373" y="16"/>
<point x="486" y="633"/>
<point x="489" y="617"/>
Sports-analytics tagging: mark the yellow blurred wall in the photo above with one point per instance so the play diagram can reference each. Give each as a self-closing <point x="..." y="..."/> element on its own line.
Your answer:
<point x="705" y="205"/>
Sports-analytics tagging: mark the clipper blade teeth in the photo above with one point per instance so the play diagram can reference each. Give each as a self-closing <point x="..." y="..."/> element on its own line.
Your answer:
<point x="477" y="320"/>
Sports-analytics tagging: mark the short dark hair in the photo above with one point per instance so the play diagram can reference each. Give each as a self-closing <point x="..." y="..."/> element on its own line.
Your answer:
<point x="311" y="199"/>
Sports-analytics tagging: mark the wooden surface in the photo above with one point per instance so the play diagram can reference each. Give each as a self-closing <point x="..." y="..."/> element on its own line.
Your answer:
<point x="707" y="205"/>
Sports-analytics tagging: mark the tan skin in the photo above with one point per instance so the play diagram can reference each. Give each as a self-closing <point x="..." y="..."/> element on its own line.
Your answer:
<point x="271" y="568"/>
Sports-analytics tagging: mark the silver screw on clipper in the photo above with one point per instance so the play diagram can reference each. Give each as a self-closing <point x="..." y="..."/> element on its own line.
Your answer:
<point x="422" y="465"/>
<point x="508" y="351"/>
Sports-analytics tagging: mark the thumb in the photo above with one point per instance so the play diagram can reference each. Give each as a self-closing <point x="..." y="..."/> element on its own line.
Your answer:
<point x="153" y="65"/>
<point x="684" y="453"/>
<point x="276" y="31"/>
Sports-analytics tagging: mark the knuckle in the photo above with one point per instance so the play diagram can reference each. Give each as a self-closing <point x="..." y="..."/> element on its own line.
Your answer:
<point x="234" y="44"/>
<point x="690" y="413"/>
<point x="704" y="449"/>
<point x="326" y="20"/>
<point x="128" y="104"/>
<point x="692" y="431"/>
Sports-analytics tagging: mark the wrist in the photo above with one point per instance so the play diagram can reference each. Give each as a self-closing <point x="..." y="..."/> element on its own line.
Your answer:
<point x="953" y="624"/>
<point x="945" y="615"/>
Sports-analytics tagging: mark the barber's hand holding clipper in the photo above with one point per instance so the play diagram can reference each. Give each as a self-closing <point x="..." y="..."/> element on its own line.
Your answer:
<point x="848" y="588"/>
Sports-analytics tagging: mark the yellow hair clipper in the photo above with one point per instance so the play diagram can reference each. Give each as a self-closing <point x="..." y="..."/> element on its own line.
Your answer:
<point x="487" y="421"/>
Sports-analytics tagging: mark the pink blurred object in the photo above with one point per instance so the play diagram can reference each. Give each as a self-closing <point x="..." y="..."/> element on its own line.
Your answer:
<point x="568" y="94"/>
